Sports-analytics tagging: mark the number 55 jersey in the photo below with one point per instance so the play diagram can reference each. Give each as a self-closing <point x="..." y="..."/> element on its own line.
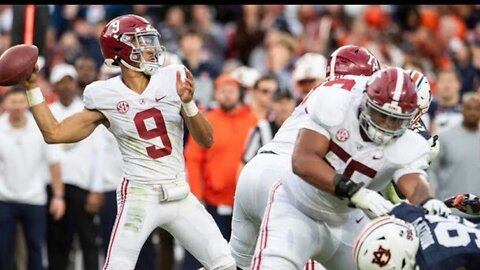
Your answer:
<point x="147" y="126"/>
<point x="446" y="243"/>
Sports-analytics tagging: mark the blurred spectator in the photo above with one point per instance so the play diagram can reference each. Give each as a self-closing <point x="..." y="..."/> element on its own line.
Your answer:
<point x="247" y="34"/>
<point x="261" y="96"/>
<point x="22" y="191"/>
<point x="475" y="50"/>
<point x="257" y="57"/>
<point x="191" y="45"/>
<point x="88" y="40"/>
<point x="456" y="169"/>
<point x="315" y="29"/>
<point x="171" y="28"/>
<point x="211" y="172"/>
<point x="462" y="60"/>
<point x="86" y="70"/>
<point x="308" y="72"/>
<point x="212" y="33"/>
<point x="444" y="110"/>
<point x="265" y="130"/>
<point x="82" y="178"/>
<point x="279" y="59"/>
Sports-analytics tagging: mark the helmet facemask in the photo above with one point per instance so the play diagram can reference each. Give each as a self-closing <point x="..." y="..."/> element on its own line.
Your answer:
<point x="382" y="124"/>
<point x="141" y="42"/>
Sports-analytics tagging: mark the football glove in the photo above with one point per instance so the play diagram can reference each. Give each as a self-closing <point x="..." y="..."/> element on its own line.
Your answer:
<point x="466" y="202"/>
<point x="434" y="148"/>
<point x="372" y="203"/>
<point x="435" y="207"/>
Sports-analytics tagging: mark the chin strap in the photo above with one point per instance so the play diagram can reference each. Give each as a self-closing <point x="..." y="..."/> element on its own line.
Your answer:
<point x="130" y="66"/>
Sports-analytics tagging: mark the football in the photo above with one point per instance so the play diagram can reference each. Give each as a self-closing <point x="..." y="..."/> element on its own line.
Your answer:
<point x="17" y="64"/>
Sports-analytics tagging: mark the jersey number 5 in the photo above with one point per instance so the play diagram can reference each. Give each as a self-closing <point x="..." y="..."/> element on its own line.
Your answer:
<point x="160" y="130"/>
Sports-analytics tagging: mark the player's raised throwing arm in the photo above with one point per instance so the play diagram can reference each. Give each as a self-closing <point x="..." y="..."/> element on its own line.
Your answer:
<point x="72" y="129"/>
<point x="197" y="124"/>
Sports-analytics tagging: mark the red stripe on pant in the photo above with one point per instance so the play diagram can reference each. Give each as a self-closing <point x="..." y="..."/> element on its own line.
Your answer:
<point x="123" y="197"/>
<point x="264" y="230"/>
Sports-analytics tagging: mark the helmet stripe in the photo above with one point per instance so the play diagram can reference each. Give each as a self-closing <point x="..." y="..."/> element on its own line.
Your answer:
<point x="398" y="87"/>
<point x="332" y="63"/>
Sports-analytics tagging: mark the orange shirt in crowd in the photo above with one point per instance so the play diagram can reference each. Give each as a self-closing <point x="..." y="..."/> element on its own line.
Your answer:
<point x="211" y="172"/>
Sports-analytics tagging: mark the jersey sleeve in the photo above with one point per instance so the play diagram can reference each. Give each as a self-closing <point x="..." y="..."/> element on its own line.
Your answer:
<point x="418" y="166"/>
<point x="88" y="98"/>
<point x="328" y="106"/>
<point x="309" y="123"/>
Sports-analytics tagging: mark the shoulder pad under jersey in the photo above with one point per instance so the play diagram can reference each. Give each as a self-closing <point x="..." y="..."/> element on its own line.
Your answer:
<point x="408" y="148"/>
<point x="328" y="106"/>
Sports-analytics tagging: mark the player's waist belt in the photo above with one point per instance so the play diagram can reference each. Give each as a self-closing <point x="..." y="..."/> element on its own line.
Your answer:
<point x="267" y="152"/>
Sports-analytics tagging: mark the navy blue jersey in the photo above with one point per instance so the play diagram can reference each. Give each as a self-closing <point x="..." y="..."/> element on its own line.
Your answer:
<point x="446" y="243"/>
<point x="420" y="128"/>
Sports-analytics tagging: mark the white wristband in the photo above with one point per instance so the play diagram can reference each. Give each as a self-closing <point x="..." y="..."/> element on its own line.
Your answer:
<point x="190" y="108"/>
<point x="35" y="96"/>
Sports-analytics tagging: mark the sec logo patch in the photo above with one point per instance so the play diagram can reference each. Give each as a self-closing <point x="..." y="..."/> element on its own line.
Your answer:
<point x="342" y="135"/>
<point x="122" y="106"/>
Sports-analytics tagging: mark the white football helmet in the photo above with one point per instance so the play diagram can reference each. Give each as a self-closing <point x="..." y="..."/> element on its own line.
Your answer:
<point x="424" y="95"/>
<point x="310" y="66"/>
<point x="387" y="243"/>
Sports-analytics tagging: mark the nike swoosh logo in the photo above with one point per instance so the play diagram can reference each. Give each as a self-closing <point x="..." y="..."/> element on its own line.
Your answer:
<point x="158" y="99"/>
<point x="360" y="219"/>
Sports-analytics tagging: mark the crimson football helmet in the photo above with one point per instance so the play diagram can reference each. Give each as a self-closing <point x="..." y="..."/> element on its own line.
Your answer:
<point x="389" y="104"/>
<point x="134" y="42"/>
<point x="352" y="60"/>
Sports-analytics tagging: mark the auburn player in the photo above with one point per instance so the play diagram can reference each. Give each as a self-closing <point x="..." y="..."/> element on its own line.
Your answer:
<point x="411" y="239"/>
<point x="144" y="107"/>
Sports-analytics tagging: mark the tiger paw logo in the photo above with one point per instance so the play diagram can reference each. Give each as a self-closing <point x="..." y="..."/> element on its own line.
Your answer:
<point x="381" y="256"/>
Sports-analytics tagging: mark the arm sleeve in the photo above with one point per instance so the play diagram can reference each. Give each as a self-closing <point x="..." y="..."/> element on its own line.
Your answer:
<point x="194" y="159"/>
<point x="309" y="123"/>
<point x="88" y="99"/>
<point x="418" y="166"/>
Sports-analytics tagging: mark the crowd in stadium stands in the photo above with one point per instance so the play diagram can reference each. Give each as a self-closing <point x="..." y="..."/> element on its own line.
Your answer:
<point x="251" y="64"/>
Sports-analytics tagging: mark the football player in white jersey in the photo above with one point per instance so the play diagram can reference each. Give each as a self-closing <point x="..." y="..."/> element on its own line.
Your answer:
<point x="424" y="98"/>
<point x="274" y="159"/>
<point x="144" y="108"/>
<point x="347" y="150"/>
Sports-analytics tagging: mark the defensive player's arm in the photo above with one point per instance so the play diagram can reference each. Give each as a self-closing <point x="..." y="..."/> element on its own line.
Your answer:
<point x="307" y="159"/>
<point x="72" y="129"/>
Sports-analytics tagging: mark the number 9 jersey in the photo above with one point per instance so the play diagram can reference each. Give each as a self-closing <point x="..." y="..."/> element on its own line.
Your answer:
<point x="148" y="126"/>
<point x="446" y="243"/>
